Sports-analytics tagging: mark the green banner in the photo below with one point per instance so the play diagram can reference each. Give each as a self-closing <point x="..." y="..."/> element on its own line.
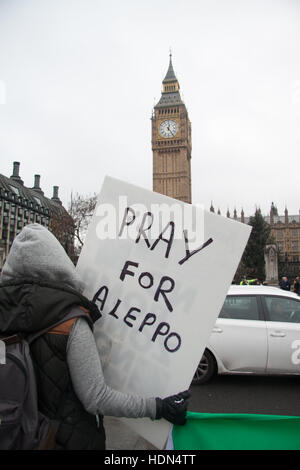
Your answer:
<point x="214" y="431"/>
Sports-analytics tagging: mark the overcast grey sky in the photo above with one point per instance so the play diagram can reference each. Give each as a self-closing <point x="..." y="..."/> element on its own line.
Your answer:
<point x="82" y="76"/>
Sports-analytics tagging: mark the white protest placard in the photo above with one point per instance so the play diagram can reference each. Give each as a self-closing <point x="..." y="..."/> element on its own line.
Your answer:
<point x="159" y="271"/>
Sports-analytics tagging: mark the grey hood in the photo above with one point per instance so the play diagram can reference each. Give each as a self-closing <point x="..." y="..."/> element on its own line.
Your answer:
<point x="36" y="253"/>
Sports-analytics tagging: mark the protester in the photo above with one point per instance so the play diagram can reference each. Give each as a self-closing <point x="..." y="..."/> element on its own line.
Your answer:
<point x="38" y="287"/>
<point x="296" y="285"/>
<point x="284" y="283"/>
<point x="249" y="282"/>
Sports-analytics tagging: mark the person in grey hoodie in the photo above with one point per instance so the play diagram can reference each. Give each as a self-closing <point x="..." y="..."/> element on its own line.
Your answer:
<point x="40" y="290"/>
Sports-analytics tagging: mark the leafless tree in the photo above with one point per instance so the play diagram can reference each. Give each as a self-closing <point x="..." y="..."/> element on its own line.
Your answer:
<point x="62" y="226"/>
<point x="81" y="209"/>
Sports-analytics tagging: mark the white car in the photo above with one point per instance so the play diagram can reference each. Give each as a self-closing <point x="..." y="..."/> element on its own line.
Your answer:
<point x="257" y="332"/>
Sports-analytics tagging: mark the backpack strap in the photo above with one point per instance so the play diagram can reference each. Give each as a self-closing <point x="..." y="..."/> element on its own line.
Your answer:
<point x="64" y="327"/>
<point x="11" y="339"/>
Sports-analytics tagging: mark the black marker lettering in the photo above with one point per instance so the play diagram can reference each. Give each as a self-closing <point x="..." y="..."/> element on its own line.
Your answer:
<point x="127" y="222"/>
<point x="150" y="280"/>
<point x="132" y="317"/>
<point x="169" y="241"/>
<point x="112" y="313"/>
<point x="142" y="229"/>
<point x="162" y="291"/>
<point x="162" y="329"/>
<point x="188" y="253"/>
<point x="174" y="349"/>
<point x="149" y="316"/>
<point x="97" y="298"/>
<point x="126" y="271"/>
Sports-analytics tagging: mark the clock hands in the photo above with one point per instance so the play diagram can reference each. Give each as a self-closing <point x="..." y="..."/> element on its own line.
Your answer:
<point x="168" y="128"/>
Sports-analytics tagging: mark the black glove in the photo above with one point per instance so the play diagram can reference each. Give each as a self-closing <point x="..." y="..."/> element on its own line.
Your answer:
<point x="173" y="408"/>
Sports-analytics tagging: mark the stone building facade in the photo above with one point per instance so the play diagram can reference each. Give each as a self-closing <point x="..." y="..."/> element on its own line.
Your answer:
<point x="21" y="205"/>
<point x="171" y="142"/>
<point x="285" y="234"/>
<point x="285" y="230"/>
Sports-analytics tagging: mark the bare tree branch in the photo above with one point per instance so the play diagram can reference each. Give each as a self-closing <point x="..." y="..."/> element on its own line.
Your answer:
<point x="81" y="209"/>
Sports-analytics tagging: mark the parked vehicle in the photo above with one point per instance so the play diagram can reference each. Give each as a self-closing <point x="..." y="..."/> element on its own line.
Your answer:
<point x="257" y="332"/>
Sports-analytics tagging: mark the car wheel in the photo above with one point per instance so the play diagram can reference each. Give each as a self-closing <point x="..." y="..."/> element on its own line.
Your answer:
<point x="206" y="369"/>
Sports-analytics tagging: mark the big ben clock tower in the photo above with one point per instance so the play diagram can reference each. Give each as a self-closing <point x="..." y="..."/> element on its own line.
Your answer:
<point x="171" y="142"/>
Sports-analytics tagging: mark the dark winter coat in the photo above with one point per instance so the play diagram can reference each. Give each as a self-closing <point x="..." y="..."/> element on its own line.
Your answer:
<point x="27" y="307"/>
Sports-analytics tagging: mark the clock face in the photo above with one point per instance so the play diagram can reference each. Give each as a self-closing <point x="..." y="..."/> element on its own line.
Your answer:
<point x="168" y="129"/>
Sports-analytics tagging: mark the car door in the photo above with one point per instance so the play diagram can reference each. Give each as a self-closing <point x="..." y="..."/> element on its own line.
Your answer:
<point x="239" y="338"/>
<point x="283" y="325"/>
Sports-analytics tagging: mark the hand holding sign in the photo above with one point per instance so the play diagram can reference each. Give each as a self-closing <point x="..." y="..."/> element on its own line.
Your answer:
<point x="173" y="408"/>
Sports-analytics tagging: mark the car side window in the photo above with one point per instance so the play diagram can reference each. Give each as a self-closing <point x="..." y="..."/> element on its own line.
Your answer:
<point x="283" y="309"/>
<point x="243" y="307"/>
